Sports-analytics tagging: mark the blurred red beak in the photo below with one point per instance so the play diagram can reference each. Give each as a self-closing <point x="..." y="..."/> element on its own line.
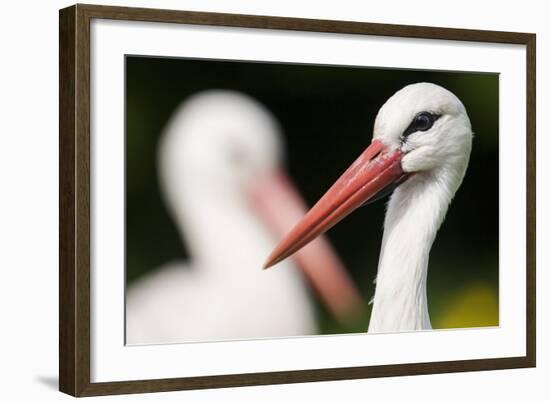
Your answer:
<point x="275" y="199"/>
<point x="374" y="170"/>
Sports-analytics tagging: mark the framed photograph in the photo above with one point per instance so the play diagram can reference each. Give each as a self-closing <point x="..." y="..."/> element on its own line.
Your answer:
<point x="250" y="200"/>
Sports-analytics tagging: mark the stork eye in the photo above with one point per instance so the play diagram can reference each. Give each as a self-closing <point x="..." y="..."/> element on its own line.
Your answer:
<point x="422" y="122"/>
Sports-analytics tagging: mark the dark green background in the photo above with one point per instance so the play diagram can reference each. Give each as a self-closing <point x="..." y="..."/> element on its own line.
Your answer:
<point x="327" y="114"/>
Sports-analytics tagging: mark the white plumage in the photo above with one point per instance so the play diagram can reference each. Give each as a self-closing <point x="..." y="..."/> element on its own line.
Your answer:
<point x="438" y="158"/>
<point x="216" y="148"/>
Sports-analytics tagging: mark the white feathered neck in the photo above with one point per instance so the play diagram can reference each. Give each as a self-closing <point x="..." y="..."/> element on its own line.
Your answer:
<point x="415" y="212"/>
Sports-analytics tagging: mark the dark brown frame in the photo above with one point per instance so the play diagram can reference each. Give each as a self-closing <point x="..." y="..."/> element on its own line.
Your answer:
<point x="74" y="199"/>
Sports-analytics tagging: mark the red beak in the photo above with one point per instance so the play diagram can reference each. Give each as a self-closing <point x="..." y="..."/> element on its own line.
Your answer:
<point x="374" y="170"/>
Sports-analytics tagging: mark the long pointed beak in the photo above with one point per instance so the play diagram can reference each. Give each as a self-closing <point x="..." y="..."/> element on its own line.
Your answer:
<point x="375" y="169"/>
<point x="280" y="206"/>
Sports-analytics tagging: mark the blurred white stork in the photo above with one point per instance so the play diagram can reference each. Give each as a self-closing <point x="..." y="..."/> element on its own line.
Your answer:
<point x="219" y="164"/>
<point x="420" y="150"/>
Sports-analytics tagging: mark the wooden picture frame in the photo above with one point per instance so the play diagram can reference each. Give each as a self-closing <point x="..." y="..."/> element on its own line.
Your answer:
<point x="74" y="195"/>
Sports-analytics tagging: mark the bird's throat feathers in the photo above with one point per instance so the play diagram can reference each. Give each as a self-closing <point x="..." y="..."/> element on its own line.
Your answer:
<point x="415" y="212"/>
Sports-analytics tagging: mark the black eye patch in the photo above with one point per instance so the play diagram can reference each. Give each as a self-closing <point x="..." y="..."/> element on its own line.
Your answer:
<point x="421" y="122"/>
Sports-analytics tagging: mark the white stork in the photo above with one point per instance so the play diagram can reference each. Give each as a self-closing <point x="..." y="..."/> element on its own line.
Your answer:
<point x="219" y="164"/>
<point x="420" y="151"/>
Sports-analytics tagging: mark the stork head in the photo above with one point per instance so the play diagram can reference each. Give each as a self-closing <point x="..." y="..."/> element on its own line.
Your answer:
<point x="422" y="130"/>
<point x="428" y="125"/>
<point x="216" y="143"/>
